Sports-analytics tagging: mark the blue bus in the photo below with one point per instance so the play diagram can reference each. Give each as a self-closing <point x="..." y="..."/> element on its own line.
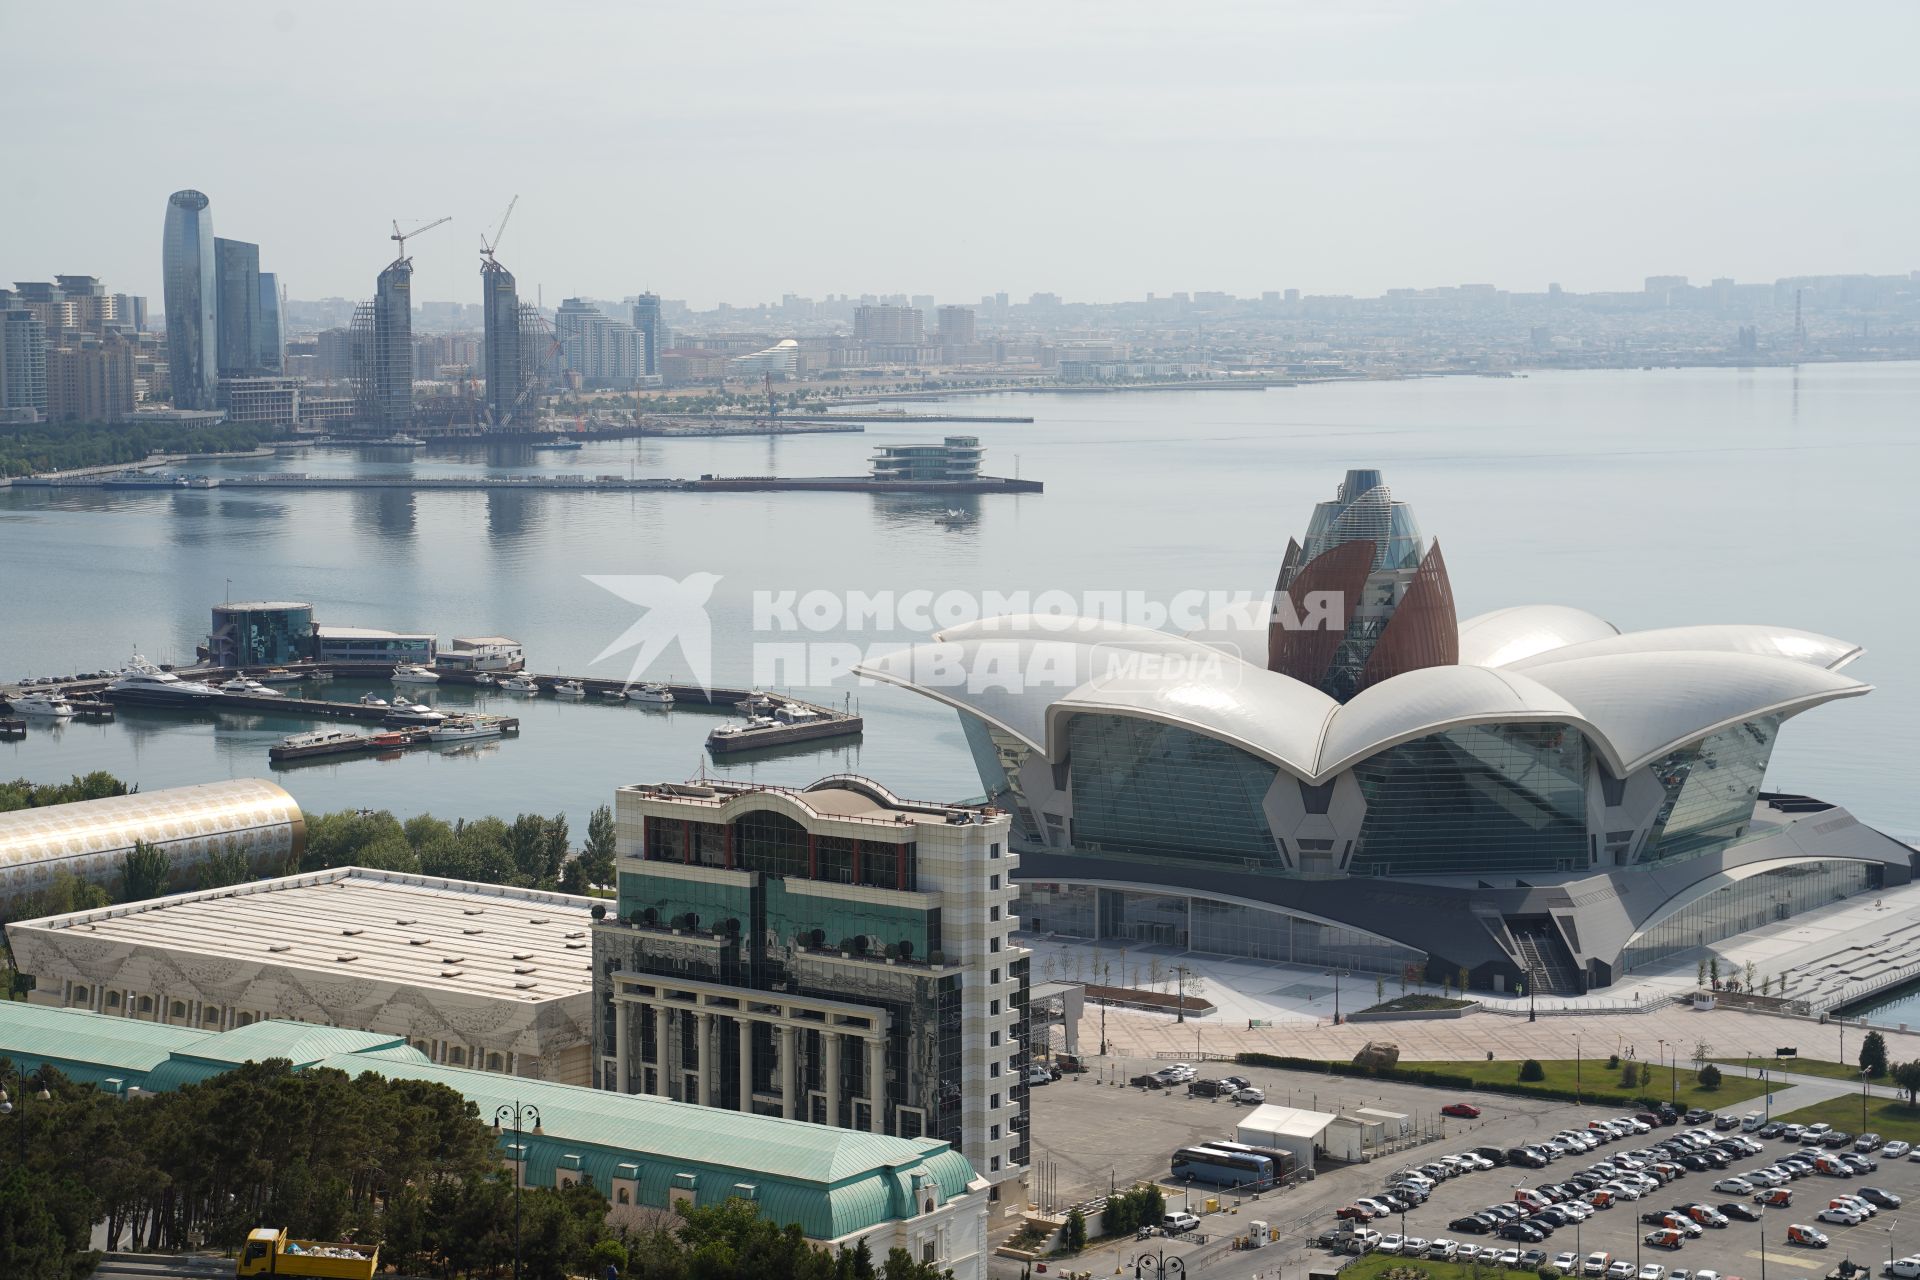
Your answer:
<point x="1221" y="1168"/>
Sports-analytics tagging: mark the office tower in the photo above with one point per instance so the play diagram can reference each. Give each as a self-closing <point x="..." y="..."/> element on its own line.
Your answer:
<point x="504" y="356"/>
<point x="187" y="262"/>
<point x="89" y="378"/>
<point x="886" y="323"/>
<point x="383" y="351"/>
<point x="23" y="363"/>
<point x="269" y="330"/>
<point x="236" y="285"/>
<point x="646" y="318"/>
<point x="956" y="326"/>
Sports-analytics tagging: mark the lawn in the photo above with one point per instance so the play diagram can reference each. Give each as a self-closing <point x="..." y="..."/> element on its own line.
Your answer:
<point x="1885" y="1116"/>
<point x="1799" y="1066"/>
<point x="1417" y="1002"/>
<point x="1376" y="1266"/>
<point x="1593" y="1077"/>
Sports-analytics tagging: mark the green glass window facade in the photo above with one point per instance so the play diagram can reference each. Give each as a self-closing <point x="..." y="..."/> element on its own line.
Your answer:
<point x="1712" y="787"/>
<point x="837" y="924"/>
<point x="1485" y="798"/>
<point x="1750" y="903"/>
<point x="1142" y="787"/>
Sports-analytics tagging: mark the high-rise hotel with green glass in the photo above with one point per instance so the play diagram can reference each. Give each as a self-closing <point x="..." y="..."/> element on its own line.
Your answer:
<point x="833" y="954"/>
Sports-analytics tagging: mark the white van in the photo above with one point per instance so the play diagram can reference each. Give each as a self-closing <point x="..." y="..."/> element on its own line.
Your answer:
<point x="1751" y="1121"/>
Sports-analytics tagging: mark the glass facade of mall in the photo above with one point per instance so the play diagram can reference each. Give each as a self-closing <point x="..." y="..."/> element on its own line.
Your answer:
<point x="1711" y="788"/>
<point x="1750" y="903"/>
<point x="258" y="635"/>
<point x="1206" y="925"/>
<point x="1485" y="798"/>
<point x="1144" y="787"/>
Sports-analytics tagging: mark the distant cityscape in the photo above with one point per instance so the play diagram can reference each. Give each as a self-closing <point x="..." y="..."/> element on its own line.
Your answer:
<point x="229" y="343"/>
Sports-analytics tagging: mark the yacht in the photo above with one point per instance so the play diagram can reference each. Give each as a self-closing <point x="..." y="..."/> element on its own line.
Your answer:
<point x="48" y="704"/>
<point x="141" y="677"/>
<point x="569" y="689"/>
<point x="484" y="678"/>
<point x="242" y="684"/>
<point x="371" y="700"/>
<point x="404" y="712"/>
<point x="656" y="694"/>
<point x="278" y="675"/>
<point x="462" y="729"/>
<point x="520" y="684"/>
<point x="414" y="673"/>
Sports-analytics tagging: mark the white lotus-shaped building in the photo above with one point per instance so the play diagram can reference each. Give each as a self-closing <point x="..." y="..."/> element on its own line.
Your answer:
<point x="1356" y="778"/>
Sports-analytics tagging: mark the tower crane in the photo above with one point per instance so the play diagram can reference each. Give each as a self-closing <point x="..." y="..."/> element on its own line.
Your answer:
<point x="487" y="248"/>
<point x="401" y="237"/>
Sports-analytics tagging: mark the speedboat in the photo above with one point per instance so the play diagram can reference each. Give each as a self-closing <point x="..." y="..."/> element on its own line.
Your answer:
<point x="414" y="673"/>
<point x="278" y="675"/>
<point x="569" y="689"/>
<point x="520" y="684"/>
<point x="482" y="677"/>
<point x="371" y="700"/>
<point x="143" y="678"/>
<point x="46" y="705"/>
<point x="405" y="712"/>
<point x="657" y="694"/>
<point x="241" y="684"/>
<point x="463" y="728"/>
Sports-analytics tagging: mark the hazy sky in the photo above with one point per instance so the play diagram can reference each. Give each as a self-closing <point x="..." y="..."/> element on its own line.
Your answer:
<point x="735" y="152"/>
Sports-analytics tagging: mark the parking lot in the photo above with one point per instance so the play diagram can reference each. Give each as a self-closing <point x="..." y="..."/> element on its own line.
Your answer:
<point x="1096" y="1136"/>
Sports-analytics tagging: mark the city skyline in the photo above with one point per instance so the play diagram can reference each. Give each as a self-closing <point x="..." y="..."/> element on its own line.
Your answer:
<point x="1339" y="151"/>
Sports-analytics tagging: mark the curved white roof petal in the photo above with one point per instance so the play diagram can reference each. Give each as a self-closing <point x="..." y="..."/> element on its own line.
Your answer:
<point x="1240" y="630"/>
<point x="1646" y="704"/>
<point x="1509" y="635"/>
<point x="1416" y="703"/>
<point x="1262" y="712"/>
<point x="1809" y="647"/>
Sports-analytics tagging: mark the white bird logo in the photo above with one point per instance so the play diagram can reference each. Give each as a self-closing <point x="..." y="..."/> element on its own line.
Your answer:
<point x="675" y="611"/>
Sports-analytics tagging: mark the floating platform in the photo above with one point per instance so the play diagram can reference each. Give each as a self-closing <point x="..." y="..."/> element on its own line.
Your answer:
<point x="862" y="484"/>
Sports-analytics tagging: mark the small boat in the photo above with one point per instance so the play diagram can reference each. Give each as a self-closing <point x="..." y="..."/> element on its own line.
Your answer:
<point x="389" y="738"/>
<point x="556" y="444"/>
<point x="319" y="742"/>
<point x="482" y="677"/>
<point x="280" y="675"/>
<point x="462" y="729"/>
<point x="655" y="694"/>
<point x="520" y="684"/>
<point x="953" y="518"/>
<point x="568" y="689"/>
<point x="613" y="695"/>
<point x="752" y="722"/>
<point x="414" y="673"/>
<point x="405" y="712"/>
<point x="369" y="700"/>
<point x="48" y="705"/>
<point x="318" y="677"/>
<point x="241" y="684"/>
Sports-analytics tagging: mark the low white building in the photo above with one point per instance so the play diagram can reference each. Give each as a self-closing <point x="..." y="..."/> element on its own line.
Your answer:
<point x="1300" y="1133"/>
<point x="473" y="975"/>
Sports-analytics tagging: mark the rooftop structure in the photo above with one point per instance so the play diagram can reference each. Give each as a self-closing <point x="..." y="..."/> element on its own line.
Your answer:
<point x="645" y="1154"/>
<point x="1354" y="777"/>
<point x="483" y="975"/>
<point x="91" y="838"/>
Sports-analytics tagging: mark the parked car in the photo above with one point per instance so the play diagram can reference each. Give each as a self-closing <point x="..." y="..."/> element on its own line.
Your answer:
<point x="1663" y="1238"/>
<point x="1882" y="1199"/>
<point x="1774" y="1198"/>
<point x="1596" y="1264"/>
<point x="1734" y="1186"/>
<point x="1744" y="1212"/>
<point x="1620" y="1269"/>
<point x="1174" y="1224"/>
<point x="1806" y="1237"/>
<point x="1903" y="1269"/>
<point x="1209" y="1088"/>
<point x="1249" y="1096"/>
<point x="1841" y="1214"/>
<point x="1896" y="1150"/>
<point x="1867" y="1142"/>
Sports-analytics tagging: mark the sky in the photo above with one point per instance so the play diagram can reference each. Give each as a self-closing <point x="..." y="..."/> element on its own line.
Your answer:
<point x="740" y="151"/>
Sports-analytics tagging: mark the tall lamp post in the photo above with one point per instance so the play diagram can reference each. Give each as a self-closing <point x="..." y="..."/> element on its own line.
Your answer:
<point x="1158" y="1266"/>
<point x="1336" y="975"/>
<point x="1533" y="985"/>
<point x="516" y="1115"/>
<point x="27" y="1089"/>
<point x="1863" y="1106"/>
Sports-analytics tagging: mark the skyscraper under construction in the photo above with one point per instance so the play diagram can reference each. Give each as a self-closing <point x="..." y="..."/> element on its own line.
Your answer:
<point x="383" y="352"/>
<point x="508" y="369"/>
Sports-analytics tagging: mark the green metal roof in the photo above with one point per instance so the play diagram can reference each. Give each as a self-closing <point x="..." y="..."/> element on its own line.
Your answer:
<point x="300" y="1043"/>
<point x="84" y="1046"/>
<point x="833" y="1182"/>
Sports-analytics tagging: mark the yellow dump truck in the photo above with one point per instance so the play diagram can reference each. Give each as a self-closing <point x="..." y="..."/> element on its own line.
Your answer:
<point x="271" y="1252"/>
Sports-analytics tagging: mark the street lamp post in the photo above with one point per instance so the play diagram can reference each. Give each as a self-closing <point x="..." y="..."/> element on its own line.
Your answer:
<point x="517" y="1114"/>
<point x="1336" y="975"/>
<point x="27" y="1083"/>
<point x="1863" y="1102"/>
<point x="1576" y="1074"/>
<point x="1158" y="1265"/>
<point x="1533" y="985"/>
<point x="1180" y="992"/>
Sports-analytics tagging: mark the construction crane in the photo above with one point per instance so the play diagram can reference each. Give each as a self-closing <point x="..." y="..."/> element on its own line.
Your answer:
<point x="403" y="236"/>
<point x="487" y="248"/>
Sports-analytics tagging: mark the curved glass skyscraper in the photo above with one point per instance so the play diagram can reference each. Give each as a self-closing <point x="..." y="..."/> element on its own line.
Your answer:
<point x="188" y="265"/>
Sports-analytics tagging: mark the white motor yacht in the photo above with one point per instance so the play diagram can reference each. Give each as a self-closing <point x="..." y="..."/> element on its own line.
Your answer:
<point x="462" y="729"/>
<point x="145" y="679"/>
<point x="405" y="712"/>
<point x="483" y="678"/>
<point x="242" y="684"/>
<point x="48" y="704"/>
<point x="656" y="694"/>
<point x="520" y="684"/>
<point x="569" y="689"/>
<point x="372" y="700"/>
<point x="414" y="673"/>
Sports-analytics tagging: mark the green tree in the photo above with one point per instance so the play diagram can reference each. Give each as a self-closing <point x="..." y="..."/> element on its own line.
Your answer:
<point x="225" y="867"/>
<point x="900" y="1265"/>
<point x="1873" y="1055"/>
<point x="527" y="847"/>
<point x="598" y="852"/>
<point x="1531" y="1071"/>
<point x="1907" y="1076"/>
<point x="144" y="873"/>
<point x="1709" y="1077"/>
<point x="1076" y="1234"/>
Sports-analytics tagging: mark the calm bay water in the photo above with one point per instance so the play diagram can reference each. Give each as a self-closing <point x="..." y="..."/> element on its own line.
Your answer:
<point x="1652" y="498"/>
